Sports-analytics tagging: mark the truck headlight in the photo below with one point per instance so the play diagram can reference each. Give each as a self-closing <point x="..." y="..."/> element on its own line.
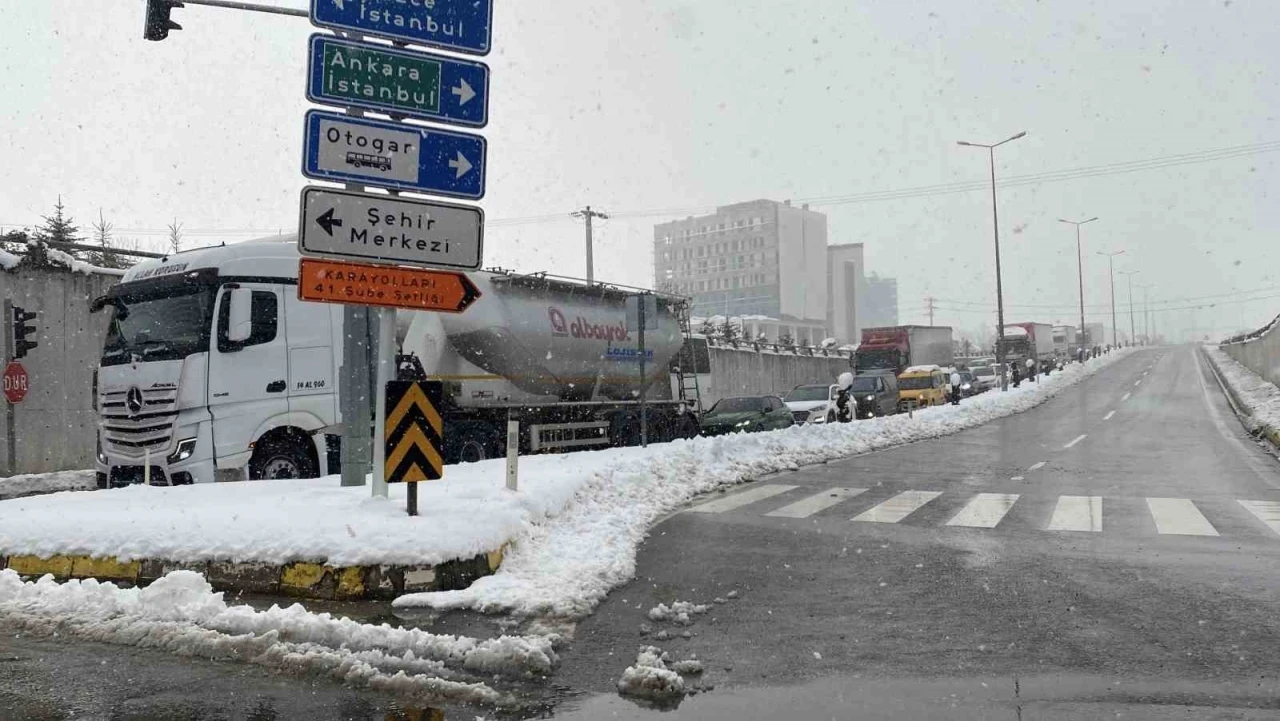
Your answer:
<point x="102" y="457"/>
<point x="186" y="449"/>
<point x="869" y="398"/>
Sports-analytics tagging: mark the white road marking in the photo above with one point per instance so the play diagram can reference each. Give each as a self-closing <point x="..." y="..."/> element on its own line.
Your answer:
<point x="1144" y="374"/>
<point x="1077" y="513"/>
<point x="738" y="500"/>
<point x="1179" y="517"/>
<point x="1108" y="416"/>
<point x="1267" y="511"/>
<point x="806" y="507"/>
<point x="1018" y="478"/>
<point x="1038" y="466"/>
<point x="985" y="510"/>
<point x="1126" y="397"/>
<point x="897" y="508"/>
<point x="1137" y="382"/>
<point x="1077" y="440"/>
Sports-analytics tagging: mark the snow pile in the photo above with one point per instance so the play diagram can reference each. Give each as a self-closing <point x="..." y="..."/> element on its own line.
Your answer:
<point x="38" y="483"/>
<point x="679" y="612"/>
<point x="76" y="265"/>
<point x="181" y="614"/>
<point x="649" y="678"/>
<point x="8" y="260"/>
<point x="1260" y="397"/>
<point x="566" y="564"/>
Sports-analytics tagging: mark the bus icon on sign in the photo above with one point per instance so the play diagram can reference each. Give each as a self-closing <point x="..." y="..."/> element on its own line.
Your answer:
<point x="361" y="160"/>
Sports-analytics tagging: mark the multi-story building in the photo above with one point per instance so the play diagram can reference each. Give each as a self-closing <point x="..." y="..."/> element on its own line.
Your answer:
<point x="759" y="258"/>
<point x="878" y="303"/>
<point x="846" y="278"/>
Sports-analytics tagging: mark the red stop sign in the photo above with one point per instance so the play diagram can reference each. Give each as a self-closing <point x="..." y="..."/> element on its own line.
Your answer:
<point x="15" y="382"/>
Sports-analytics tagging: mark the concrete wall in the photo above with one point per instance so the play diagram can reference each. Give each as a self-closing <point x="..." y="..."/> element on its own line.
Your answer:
<point x="747" y="372"/>
<point x="55" y="426"/>
<point x="1260" y="355"/>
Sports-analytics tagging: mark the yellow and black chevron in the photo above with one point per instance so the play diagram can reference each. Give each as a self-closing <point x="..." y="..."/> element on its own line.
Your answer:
<point x="414" y="433"/>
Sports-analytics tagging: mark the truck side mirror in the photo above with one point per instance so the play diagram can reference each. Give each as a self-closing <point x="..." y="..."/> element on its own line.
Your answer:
<point x="240" y="319"/>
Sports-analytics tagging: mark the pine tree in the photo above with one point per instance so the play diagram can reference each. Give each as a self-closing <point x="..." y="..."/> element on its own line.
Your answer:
<point x="108" y="257"/>
<point x="59" y="228"/>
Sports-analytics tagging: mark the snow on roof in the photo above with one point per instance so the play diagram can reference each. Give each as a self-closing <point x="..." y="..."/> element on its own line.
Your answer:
<point x="1014" y="330"/>
<point x="922" y="369"/>
<point x="76" y="265"/>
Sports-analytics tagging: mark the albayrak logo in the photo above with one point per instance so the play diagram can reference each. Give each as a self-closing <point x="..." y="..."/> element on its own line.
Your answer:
<point x="583" y="328"/>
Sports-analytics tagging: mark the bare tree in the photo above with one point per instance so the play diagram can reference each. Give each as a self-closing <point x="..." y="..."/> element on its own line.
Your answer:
<point x="175" y="236"/>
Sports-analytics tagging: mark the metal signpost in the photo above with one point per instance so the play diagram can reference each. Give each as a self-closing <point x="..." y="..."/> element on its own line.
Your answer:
<point x="388" y="230"/>
<point x="460" y="26"/>
<point x="345" y="149"/>
<point x="389" y="80"/>
<point x="642" y="315"/>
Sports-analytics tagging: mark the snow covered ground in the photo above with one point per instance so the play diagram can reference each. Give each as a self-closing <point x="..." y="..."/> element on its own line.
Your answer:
<point x="575" y="523"/>
<point x="37" y="483"/>
<point x="1261" y="397"/>
<point x="565" y="564"/>
<point x="181" y="614"/>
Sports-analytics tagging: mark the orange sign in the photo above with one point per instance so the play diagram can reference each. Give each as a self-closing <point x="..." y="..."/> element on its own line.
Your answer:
<point x="329" y="281"/>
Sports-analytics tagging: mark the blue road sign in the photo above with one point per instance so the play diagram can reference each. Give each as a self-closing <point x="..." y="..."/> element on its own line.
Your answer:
<point x="461" y="25"/>
<point x="393" y="155"/>
<point x="397" y="82"/>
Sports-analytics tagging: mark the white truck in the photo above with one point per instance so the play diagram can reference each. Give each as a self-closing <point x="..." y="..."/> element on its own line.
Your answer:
<point x="213" y="369"/>
<point x="1029" y="341"/>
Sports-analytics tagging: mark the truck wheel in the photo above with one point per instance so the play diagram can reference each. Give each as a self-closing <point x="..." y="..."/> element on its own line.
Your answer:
<point x="282" y="457"/>
<point x="472" y="442"/>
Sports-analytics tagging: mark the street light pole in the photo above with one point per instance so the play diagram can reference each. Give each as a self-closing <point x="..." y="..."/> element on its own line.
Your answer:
<point x="1133" y="333"/>
<point x="1111" y="262"/>
<point x="1080" y="268"/>
<point x="995" y="227"/>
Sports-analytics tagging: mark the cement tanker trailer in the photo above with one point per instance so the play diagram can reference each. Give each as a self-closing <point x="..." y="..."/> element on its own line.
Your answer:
<point x="554" y="354"/>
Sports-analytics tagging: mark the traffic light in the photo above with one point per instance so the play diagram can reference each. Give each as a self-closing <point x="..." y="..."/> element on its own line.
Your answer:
<point x="21" y="330"/>
<point x="158" y="22"/>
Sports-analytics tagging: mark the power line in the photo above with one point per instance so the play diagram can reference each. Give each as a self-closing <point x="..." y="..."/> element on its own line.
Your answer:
<point x="1106" y="313"/>
<point x="1072" y="306"/>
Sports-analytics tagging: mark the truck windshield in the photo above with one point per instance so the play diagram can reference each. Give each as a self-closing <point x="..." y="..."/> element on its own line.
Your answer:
<point x="809" y="393"/>
<point x="885" y="359"/>
<point x="159" y="326"/>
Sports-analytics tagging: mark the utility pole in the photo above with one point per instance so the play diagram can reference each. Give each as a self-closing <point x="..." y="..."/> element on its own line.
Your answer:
<point x="1111" y="261"/>
<point x="587" y="214"/>
<point x="929" y="300"/>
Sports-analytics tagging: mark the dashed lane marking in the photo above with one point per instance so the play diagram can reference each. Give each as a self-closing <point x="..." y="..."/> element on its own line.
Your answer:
<point x="1078" y="438"/>
<point x="1077" y="513"/>
<point x="897" y="508"/>
<point x="1267" y="511"/>
<point x="985" y="510"/>
<point x="738" y="500"/>
<point x="1179" y="517"/>
<point x="1108" y="416"/>
<point x="1038" y="466"/>
<point x="1018" y="478"/>
<point x="1137" y="383"/>
<point x="1126" y="397"/>
<point x="806" y="507"/>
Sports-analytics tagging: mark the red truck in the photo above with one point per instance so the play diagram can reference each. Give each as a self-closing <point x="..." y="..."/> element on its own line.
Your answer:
<point x="895" y="348"/>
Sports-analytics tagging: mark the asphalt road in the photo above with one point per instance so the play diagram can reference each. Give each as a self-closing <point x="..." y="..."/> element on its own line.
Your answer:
<point x="1104" y="554"/>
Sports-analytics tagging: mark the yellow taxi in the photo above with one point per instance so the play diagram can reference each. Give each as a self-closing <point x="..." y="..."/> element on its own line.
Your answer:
<point x="922" y="386"/>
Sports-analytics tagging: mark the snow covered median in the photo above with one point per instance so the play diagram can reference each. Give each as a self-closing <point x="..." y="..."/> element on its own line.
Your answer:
<point x="1260" y="397"/>
<point x="34" y="484"/>
<point x="565" y="563"/>
<point x="181" y="614"/>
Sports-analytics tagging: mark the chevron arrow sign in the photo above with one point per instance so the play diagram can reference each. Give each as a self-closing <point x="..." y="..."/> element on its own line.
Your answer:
<point x="414" y="439"/>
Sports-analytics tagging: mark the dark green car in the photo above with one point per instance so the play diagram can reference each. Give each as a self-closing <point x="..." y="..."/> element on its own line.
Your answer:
<point x="746" y="414"/>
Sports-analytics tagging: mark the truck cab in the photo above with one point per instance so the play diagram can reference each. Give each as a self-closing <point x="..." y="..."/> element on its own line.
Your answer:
<point x="212" y="369"/>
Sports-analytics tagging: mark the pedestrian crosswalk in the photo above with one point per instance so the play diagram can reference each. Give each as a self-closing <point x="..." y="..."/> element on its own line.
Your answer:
<point x="1068" y="514"/>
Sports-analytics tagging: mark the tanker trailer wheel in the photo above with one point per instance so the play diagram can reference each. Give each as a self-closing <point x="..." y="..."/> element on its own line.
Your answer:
<point x="471" y="442"/>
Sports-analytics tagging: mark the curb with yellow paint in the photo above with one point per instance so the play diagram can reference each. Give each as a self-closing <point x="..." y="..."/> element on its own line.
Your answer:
<point x="301" y="578"/>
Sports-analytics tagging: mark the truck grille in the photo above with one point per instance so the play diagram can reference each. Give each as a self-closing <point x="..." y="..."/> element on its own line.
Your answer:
<point x="149" y="429"/>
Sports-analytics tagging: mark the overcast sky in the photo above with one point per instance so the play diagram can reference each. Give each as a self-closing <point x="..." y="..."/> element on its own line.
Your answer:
<point x="669" y="105"/>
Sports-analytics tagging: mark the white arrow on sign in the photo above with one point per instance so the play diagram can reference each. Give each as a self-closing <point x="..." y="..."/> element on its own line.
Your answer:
<point x="460" y="164"/>
<point x="463" y="91"/>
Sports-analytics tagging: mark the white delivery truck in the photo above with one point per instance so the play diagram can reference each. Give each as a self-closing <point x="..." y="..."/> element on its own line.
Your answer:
<point x="213" y="369"/>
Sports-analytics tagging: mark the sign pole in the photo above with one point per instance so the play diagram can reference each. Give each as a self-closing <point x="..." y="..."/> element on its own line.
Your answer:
<point x="411" y="505"/>
<point x="513" y="451"/>
<point x="385" y="372"/>
<point x="644" y="416"/>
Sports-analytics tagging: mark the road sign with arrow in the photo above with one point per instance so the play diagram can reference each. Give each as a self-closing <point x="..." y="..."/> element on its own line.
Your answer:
<point x="393" y="155"/>
<point x="386" y="286"/>
<point x="397" y="82"/>
<point x="390" y="229"/>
